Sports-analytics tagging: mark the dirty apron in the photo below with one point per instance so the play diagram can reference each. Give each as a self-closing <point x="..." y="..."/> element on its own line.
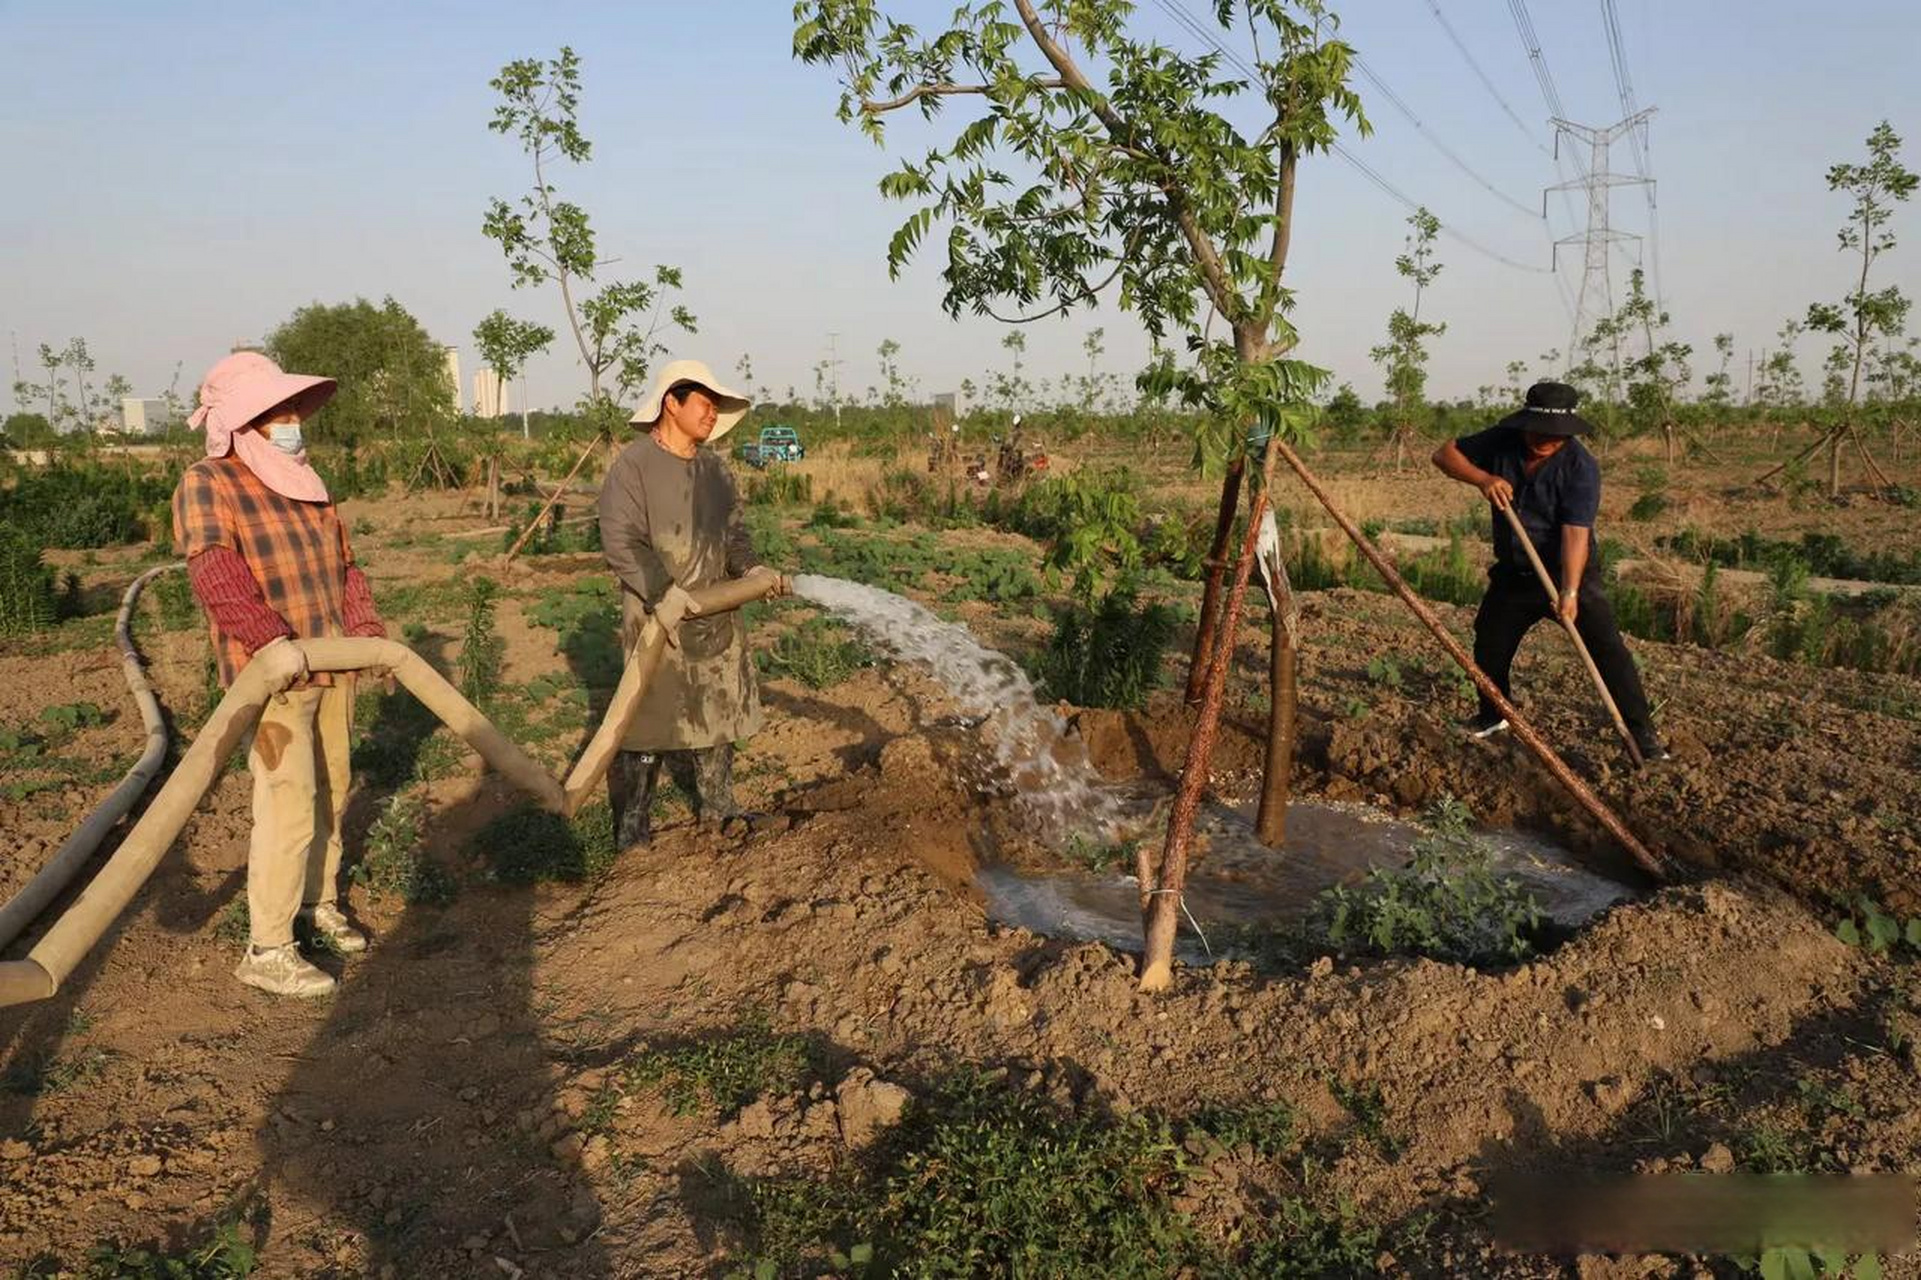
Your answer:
<point x="667" y="520"/>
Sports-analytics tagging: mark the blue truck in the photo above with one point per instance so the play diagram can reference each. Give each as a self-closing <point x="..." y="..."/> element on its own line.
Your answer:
<point x="776" y="444"/>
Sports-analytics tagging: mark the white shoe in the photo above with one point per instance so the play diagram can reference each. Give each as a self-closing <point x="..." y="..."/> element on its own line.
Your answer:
<point x="325" y="921"/>
<point x="283" y="971"/>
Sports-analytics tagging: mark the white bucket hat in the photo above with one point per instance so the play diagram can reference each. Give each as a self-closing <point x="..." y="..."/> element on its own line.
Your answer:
<point x="731" y="406"/>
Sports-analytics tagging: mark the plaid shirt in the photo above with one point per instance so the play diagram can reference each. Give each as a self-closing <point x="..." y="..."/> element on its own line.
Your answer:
<point x="297" y="551"/>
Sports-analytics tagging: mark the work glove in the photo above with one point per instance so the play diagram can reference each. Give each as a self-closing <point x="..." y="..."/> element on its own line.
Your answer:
<point x="284" y="662"/>
<point x="782" y="584"/>
<point x="671" y="609"/>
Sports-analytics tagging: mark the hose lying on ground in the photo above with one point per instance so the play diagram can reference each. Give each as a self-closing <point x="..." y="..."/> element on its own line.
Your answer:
<point x="68" y="939"/>
<point x="71" y="856"/>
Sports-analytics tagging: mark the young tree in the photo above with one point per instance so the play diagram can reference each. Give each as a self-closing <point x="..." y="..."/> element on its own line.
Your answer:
<point x="1093" y="390"/>
<point x="617" y="328"/>
<point x="1012" y="388"/>
<point x="79" y="362"/>
<point x="1720" y="383"/>
<point x="899" y="388"/>
<point x="1403" y="357"/>
<point x="1058" y="188"/>
<point x="1863" y="316"/>
<point x="507" y="344"/>
<point x="51" y="360"/>
<point x="1661" y="369"/>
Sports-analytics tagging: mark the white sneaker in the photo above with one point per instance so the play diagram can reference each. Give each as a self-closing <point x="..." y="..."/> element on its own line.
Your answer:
<point x="283" y="971"/>
<point x="326" y="922"/>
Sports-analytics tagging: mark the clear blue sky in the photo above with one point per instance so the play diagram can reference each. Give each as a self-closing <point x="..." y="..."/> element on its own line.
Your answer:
<point x="182" y="176"/>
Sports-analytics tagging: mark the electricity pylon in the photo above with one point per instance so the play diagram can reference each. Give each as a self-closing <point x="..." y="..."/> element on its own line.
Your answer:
<point x="1597" y="283"/>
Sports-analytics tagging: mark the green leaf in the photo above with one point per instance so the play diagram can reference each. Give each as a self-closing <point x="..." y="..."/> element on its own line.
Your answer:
<point x="861" y="1254"/>
<point x="1868" y="1267"/>
<point x="1883" y="931"/>
<point x="1848" y="933"/>
<point x="1914" y="933"/>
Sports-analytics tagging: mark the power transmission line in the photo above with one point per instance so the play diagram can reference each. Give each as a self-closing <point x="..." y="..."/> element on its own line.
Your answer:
<point x="1487" y="81"/>
<point x="1624" y="85"/>
<point x="1395" y="99"/>
<point x="1175" y="10"/>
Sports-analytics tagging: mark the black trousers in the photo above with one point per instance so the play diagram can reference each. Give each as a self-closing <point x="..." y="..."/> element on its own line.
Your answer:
<point x="1515" y="602"/>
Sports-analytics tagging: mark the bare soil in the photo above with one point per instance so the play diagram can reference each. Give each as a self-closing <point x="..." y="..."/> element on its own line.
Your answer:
<point x="458" y="1108"/>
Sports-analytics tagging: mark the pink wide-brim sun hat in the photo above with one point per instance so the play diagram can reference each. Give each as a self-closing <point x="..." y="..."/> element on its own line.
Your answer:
<point x="245" y="385"/>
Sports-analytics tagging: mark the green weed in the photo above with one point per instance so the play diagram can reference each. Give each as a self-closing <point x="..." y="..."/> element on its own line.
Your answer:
<point x="482" y="650"/>
<point x="1447" y="903"/>
<point x="725" y="1072"/>
<point x="528" y="846"/>
<point x="1365" y="1104"/>
<point x="818" y="653"/>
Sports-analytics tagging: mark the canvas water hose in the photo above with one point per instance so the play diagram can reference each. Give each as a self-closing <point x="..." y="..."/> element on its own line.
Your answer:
<point x="74" y="933"/>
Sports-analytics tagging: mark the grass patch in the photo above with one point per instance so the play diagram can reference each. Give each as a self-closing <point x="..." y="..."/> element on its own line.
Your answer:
<point x="224" y="1251"/>
<point x="982" y="1178"/>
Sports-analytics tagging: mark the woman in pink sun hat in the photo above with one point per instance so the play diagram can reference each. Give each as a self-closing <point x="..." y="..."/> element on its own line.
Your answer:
<point x="269" y="561"/>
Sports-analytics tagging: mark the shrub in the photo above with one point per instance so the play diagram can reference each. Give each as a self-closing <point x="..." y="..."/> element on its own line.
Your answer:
<point x="1107" y="656"/>
<point x="780" y="488"/>
<point x="528" y="845"/>
<point x="818" y="653"/>
<point x="394" y="865"/>
<point x="1447" y="903"/>
<point x="1649" y="505"/>
<point x="27" y="603"/>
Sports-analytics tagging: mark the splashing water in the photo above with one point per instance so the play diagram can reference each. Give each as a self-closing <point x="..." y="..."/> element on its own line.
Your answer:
<point x="1052" y="778"/>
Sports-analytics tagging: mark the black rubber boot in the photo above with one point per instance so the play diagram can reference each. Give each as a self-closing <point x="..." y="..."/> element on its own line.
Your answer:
<point x="714" y="785"/>
<point x="630" y="789"/>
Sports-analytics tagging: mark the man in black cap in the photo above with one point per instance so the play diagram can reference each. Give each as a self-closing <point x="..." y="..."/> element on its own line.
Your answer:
<point x="1530" y="461"/>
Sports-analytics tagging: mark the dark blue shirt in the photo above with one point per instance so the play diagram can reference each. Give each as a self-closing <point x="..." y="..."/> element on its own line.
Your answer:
<point x="1566" y="490"/>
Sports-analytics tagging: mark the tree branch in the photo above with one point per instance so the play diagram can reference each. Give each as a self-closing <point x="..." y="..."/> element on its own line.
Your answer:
<point x="942" y="90"/>
<point x="1206" y="256"/>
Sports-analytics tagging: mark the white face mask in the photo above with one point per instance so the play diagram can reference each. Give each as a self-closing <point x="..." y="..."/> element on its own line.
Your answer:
<point x="285" y="436"/>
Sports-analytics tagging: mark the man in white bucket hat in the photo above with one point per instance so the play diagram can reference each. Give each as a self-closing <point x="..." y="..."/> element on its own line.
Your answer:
<point x="670" y="523"/>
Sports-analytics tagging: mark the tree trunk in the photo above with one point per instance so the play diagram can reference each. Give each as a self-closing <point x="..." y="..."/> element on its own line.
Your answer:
<point x="592" y="447"/>
<point x="1161" y="889"/>
<point x="1216" y="571"/>
<point x="1834" y="465"/>
<point x="1277" y="778"/>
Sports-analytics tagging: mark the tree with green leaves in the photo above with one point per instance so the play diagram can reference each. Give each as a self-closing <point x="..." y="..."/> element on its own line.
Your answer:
<point x="897" y="389"/>
<point x="1864" y="316"/>
<point x="618" y="327"/>
<point x="507" y="344"/>
<point x="1655" y="377"/>
<point x="1012" y="388"/>
<point x="392" y="374"/>
<point x="1719" y="394"/>
<point x="1403" y="357"/>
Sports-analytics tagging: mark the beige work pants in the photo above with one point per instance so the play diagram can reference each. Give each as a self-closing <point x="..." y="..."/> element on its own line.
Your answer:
<point x="301" y="774"/>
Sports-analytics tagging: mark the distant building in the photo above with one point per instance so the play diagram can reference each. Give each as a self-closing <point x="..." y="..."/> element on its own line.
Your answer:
<point x="452" y="356"/>
<point x="952" y="405"/>
<point x="490" y="394"/>
<point x="145" y="416"/>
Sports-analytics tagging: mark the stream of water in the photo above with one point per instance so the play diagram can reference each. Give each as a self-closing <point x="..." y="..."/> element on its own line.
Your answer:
<point x="1238" y="881"/>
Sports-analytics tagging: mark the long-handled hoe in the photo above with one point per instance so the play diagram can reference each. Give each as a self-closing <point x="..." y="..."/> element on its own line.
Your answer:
<point x="1580" y="647"/>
